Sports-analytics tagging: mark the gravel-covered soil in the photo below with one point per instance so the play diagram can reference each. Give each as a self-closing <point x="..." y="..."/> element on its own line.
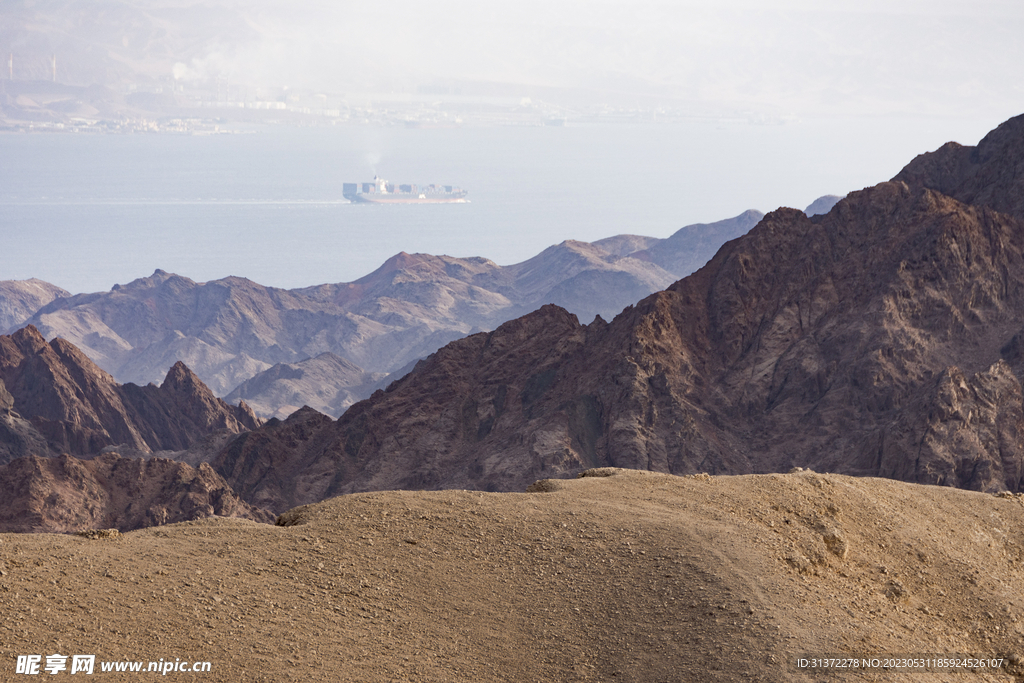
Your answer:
<point x="626" y="576"/>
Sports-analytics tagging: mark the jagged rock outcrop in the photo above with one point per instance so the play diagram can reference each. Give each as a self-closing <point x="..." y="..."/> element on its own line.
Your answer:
<point x="881" y="339"/>
<point x="272" y="464"/>
<point x="6" y="400"/>
<point x="991" y="174"/>
<point x="62" y="400"/>
<point x="65" y="494"/>
<point x="183" y="408"/>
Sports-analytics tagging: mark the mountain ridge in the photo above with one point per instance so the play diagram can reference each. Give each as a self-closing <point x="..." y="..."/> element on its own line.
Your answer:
<point x="56" y="400"/>
<point x="875" y="340"/>
<point x="284" y="388"/>
<point x="990" y="174"/>
<point x="230" y="330"/>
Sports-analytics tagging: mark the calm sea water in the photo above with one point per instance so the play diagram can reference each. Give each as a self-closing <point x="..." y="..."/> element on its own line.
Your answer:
<point x="88" y="211"/>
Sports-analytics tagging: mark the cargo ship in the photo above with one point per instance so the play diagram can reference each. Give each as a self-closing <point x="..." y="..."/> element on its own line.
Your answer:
<point x="381" y="191"/>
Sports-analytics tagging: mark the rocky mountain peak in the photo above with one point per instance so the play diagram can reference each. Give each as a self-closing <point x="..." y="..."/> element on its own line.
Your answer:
<point x="400" y="261"/>
<point x="154" y="281"/>
<point x="181" y="380"/>
<point x="28" y="340"/>
<point x="73" y="406"/>
<point x="991" y="174"/>
<point x="822" y="205"/>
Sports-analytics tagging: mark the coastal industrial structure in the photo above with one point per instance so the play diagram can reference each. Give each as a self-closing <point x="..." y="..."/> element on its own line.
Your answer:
<point x="381" y="191"/>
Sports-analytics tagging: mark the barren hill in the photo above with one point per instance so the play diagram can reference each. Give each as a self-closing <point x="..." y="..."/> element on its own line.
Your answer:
<point x="881" y="339"/>
<point x="822" y="205"/>
<point x="629" y="576"/>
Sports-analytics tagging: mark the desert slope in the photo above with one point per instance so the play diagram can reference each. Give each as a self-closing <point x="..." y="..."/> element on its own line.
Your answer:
<point x="622" y="575"/>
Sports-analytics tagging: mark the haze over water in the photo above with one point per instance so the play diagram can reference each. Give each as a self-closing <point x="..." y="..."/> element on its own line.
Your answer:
<point x="88" y="211"/>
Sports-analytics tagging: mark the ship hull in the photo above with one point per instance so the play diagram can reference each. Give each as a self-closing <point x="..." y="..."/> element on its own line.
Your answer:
<point x="407" y="199"/>
<point x="381" y="191"/>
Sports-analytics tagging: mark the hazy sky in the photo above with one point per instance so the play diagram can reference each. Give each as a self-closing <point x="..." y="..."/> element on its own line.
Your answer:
<point x="862" y="87"/>
<point x="800" y="57"/>
<point x="777" y="57"/>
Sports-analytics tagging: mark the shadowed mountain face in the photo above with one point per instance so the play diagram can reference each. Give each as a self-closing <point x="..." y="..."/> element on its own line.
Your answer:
<point x="230" y="330"/>
<point x="991" y="174"/>
<point x="67" y="494"/>
<point x="882" y="339"/>
<point x="56" y="400"/>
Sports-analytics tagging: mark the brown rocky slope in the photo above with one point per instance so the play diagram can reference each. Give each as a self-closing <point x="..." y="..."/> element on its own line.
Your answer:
<point x="990" y="174"/>
<point x="61" y="402"/>
<point x="882" y="339"/>
<point x="65" y="494"/>
<point x="635" y="577"/>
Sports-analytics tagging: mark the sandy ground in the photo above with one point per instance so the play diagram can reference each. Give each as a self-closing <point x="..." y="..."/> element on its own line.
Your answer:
<point x="632" y="576"/>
